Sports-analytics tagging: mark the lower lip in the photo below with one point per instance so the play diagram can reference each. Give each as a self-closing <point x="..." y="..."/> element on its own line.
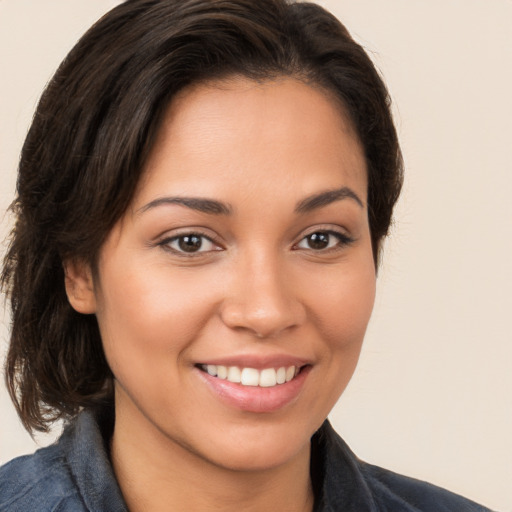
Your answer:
<point x="255" y="398"/>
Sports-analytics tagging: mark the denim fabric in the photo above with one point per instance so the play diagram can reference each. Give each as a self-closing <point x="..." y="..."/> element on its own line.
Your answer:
<point x="346" y="484"/>
<point x="75" y="475"/>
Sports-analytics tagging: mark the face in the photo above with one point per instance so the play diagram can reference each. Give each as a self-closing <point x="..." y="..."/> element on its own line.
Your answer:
<point x="245" y="256"/>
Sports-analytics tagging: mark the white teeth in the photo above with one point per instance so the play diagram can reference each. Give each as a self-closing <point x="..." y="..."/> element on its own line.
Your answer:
<point x="222" y="372"/>
<point x="290" y="373"/>
<point x="266" y="378"/>
<point x="234" y="374"/>
<point x="250" y="377"/>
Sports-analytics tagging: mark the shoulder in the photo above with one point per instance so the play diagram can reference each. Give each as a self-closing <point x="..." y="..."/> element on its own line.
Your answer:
<point x="398" y="492"/>
<point x="39" y="482"/>
<point x="72" y="475"/>
<point x="346" y="482"/>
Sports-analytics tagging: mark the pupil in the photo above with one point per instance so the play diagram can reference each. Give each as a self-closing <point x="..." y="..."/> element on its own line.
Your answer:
<point x="190" y="243"/>
<point x="318" y="240"/>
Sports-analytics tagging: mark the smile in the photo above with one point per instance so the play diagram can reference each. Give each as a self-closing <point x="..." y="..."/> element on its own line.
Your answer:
<point x="265" y="378"/>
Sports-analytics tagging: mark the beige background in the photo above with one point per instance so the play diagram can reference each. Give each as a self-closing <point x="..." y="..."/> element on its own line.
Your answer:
<point x="432" y="396"/>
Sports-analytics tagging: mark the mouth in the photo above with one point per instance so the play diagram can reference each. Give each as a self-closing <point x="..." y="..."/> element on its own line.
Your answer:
<point x="255" y="384"/>
<point x="252" y="377"/>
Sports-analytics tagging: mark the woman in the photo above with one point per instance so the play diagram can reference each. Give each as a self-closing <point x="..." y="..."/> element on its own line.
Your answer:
<point x="202" y="198"/>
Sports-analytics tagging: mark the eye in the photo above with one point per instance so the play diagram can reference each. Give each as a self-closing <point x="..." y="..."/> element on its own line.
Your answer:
<point x="323" y="240"/>
<point x="190" y="243"/>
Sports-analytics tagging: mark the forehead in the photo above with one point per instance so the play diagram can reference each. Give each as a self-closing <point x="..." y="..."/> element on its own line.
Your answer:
<point x="246" y="133"/>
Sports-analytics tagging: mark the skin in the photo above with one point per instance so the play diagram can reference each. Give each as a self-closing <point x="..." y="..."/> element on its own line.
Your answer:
<point x="257" y="287"/>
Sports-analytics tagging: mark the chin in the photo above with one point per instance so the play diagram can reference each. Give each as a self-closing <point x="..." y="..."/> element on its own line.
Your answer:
<point x="260" y="446"/>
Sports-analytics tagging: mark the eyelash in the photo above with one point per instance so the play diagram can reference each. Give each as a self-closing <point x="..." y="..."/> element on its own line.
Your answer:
<point x="167" y="244"/>
<point x="341" y="241"/>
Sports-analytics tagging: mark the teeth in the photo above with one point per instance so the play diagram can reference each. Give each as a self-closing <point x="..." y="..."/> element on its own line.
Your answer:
<point x="250" y="377"/>
<point x="222" y="372"/>
<point x="290" y="373"/>
<point x="267" y="378"/>
<point x="234" y="374"/>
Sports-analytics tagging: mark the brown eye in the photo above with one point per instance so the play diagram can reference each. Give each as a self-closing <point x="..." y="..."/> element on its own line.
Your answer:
<point x="323" y="240"/>
<point x="190" y="243"/>
<point x="318" y="240"/>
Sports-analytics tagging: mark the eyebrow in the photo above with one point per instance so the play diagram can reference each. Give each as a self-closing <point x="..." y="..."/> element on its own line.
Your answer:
<point x="210" y="206"/>
<point x="214" y="207"/>
<point x="325" y="198"/>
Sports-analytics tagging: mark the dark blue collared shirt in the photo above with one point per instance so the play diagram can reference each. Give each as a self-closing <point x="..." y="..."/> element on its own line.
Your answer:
<point x="75" y="475"/>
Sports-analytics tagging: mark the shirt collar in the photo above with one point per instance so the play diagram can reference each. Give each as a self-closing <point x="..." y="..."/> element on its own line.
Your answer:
<point x="336" y="473"/>
<point x="86" y="447"/>
<point x="338" y="482"/>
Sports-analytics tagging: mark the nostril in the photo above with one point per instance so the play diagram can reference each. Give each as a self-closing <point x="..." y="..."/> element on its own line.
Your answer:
<point x="264" y="321"/>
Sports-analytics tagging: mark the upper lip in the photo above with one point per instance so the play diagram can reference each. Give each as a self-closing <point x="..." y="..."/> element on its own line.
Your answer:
<point x="258" y="362"/>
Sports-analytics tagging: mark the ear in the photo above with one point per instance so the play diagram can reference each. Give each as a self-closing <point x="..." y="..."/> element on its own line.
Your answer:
<point x="79" y="286"/>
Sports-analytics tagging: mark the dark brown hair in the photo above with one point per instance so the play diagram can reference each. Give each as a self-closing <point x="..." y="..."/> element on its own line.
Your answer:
<point x="93" y="129"/>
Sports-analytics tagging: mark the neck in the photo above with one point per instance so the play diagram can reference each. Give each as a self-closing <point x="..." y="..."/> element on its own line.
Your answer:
<point x="157" y="474"/>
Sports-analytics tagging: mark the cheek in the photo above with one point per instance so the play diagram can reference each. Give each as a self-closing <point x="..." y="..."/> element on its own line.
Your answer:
<point x="148" y="313"/>
<point x="344" y="304"/>
<point x="342" y="309"/>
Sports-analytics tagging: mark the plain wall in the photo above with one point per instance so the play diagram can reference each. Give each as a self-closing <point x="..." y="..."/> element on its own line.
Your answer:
<point x="432" y="396"/>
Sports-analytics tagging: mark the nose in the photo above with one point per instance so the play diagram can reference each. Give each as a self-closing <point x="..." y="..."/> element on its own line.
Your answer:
<point x="261" y="299"/>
